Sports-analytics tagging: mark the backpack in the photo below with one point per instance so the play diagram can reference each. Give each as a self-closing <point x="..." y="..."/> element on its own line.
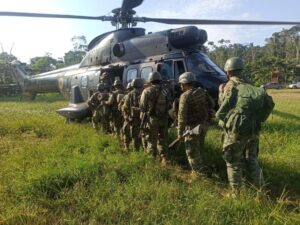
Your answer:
<point x="135" y="101"/>
<point x="253" y="106"/>
<point x="160" y="106"/>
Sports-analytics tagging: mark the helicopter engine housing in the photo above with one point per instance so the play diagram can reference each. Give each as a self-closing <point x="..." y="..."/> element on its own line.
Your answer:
<point x="187" y="36"/>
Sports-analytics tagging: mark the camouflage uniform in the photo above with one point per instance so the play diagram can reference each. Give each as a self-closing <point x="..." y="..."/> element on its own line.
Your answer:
<point x="157" y="123"/>
<point x="132" y="110"/>
<point x="104" y="112"/>
<point x="94" y="103"/>
<point x="116" y="116"/>
<point x="193" y="110"/>
<point x="125" y="131"/>
<point x="238" y="150"/>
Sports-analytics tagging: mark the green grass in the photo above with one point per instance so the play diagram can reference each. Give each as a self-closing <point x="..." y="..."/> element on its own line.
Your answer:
<point x="57" y="173"/>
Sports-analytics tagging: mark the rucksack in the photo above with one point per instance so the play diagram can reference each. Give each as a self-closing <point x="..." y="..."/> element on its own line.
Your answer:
<point x="135" y="104"/>
<point x="160" y="106"/>
<point x="253" y="106"/>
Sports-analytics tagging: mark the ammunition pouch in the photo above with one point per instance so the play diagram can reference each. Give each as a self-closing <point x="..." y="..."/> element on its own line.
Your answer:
<point x="135" y="112"/>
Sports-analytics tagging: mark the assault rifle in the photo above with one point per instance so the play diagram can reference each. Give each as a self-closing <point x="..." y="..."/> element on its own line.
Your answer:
<point x="195" y="131"/>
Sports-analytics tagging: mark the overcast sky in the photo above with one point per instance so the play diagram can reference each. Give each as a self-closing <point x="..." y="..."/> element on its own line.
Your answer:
<point x="34" y="37"/>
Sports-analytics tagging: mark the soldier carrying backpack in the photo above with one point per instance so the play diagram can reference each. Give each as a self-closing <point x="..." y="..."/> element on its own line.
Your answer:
<point x="155" y="104"/>
<point x="243" y="108"/>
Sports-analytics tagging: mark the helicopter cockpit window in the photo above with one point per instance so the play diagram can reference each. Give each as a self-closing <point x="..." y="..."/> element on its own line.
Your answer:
<point x="84" y="81"/>
<point x="200" y="63"/>
<point x="131" y="74"/>
<point x="145" y="72"/>
<point x="166" y="70"/>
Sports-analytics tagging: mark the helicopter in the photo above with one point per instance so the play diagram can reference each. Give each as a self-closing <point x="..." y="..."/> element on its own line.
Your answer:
<point x="127" y="53"/>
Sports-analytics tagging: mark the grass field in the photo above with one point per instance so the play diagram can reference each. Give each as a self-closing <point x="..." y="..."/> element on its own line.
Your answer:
<point x="57" y="173"/>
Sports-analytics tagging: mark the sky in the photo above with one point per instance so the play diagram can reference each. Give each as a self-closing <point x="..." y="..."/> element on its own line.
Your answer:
<point x="30" y="37"/>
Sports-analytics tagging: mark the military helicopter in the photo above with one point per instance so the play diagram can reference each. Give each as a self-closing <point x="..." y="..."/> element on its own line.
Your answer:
<point x="128" y="52"/>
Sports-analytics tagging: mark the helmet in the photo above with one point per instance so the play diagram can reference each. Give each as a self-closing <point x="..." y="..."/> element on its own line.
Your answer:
<point x="128" y="86"/>
<point x="117" y="82"/>
<point x="106" y="86"/>
<point x="154" y="76"/>
<point x="234" y="63"/>
<point x="100" y="87"/>
<point x="137" y="83"/>
<point x="187" y="78"/>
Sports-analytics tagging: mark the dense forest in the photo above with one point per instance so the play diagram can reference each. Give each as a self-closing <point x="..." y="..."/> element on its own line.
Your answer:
<point x="280" y="52"/>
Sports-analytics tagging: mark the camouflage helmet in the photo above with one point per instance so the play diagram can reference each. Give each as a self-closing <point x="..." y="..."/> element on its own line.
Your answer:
<point x="187" y="78"/>
<point x="117" y="82"/>
<point x="100" y="87"/>
<point x="106" y="86"/>
<point x="137" y="83"/>
<point x="234" y="63"/>
<point x="154" y="76"/>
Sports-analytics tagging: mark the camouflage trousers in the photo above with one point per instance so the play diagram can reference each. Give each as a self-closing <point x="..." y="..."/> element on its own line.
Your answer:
<point x="96" y="119"/>
<point x="157" y="130"/>
<point x="104" y="124"/>
<point x="126" y="134"/>
<point x="194" y="148"/>
<point x="117" y="122"/>
<point x="240" y="153"/>
<point x="135" y="132"/>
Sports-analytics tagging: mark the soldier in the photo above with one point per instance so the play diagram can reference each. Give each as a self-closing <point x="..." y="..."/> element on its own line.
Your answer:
<point x="125" y="131"/>
<point x="238" y="146"/>
<point x="94" y="103"/>
<point x="132" y="111"/>
<point x="106" y="79"/>
<point x="103" y="110"/>
<point x="194" y="107"/>
<point x="112" y="102"/>
<point x="154" y="106"/>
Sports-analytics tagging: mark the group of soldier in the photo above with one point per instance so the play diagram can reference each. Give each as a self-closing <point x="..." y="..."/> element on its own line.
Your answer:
<point x="139" y="116"/>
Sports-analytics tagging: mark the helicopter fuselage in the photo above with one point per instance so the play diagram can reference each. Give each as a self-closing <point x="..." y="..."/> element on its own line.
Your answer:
<point x="127" y="54"/>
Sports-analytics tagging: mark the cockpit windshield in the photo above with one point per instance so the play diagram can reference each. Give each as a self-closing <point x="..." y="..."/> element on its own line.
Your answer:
<point x="199" y="63"/>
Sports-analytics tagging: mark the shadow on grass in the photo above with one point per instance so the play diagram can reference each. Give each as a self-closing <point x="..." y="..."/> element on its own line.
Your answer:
<point x="286" y="115"/>
<point x="280" y="178"/>
<point x="277" y="127"/>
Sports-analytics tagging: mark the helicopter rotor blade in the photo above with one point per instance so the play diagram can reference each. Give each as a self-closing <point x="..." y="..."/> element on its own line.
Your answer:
<point x="213" y="22"/>
<point x="130" y="4"/>
<point x="46" y="15"/>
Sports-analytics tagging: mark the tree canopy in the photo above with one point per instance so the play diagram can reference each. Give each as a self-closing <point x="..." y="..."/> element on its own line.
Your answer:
<point x="281" y="53"/>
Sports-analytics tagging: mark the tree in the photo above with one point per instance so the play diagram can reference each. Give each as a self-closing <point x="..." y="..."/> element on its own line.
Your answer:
<point x="42" y="64"/>
<point x="5" y="74"/>
<point x="79" y="51"/>
<point x="281" y="52"/>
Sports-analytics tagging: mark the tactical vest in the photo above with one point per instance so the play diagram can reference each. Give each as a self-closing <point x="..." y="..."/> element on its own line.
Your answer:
<point x="134" y="101"/>
<point x="198" y="106"/>
<point x="159" y="108"/>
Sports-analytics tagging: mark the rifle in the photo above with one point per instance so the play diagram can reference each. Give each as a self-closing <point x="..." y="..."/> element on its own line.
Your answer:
<point x="143" y="123"/>
<point x="196" y="130"/>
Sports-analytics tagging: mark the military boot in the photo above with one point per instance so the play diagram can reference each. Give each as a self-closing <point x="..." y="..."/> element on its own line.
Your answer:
<point x="164" y="161"/>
